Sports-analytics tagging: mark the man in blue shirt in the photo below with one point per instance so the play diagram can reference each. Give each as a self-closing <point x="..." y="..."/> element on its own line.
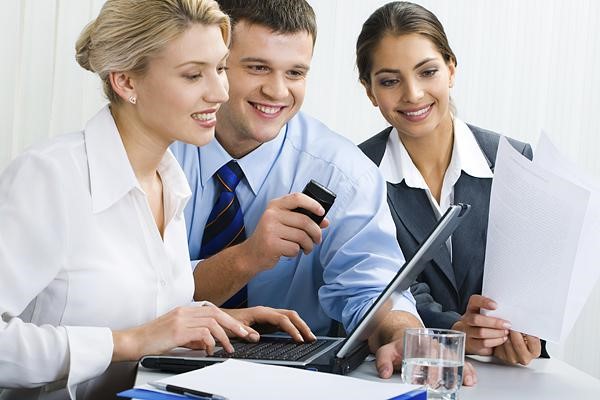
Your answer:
<point x="287" y="260"/>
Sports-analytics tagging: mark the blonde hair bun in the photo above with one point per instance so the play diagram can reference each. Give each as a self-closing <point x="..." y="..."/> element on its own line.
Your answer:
<point x="127" y="33"/>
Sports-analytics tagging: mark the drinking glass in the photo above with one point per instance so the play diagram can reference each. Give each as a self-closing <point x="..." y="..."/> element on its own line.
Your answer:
<point x="434" y="358"/>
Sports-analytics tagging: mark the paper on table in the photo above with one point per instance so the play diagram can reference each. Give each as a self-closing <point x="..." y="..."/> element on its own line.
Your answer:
<point x="237" y="380"/>
<point x="534" y="227"/>
<point x="586" y="270"/>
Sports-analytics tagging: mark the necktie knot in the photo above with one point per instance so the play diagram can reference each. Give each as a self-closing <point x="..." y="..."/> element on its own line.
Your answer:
<point x="229" y="175"/>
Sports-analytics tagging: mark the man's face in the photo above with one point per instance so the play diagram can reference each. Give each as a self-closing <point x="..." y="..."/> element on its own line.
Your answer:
<point x="267" y="78"/>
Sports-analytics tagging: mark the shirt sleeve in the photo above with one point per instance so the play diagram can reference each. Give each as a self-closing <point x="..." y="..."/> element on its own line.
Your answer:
<point x="194" y="264"/>
<point x="360" y="253"/>
<point x="405" y="301"/>
<point x="33" y="251"/>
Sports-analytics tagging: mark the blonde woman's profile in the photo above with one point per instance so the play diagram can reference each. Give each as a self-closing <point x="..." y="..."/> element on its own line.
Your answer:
<point x="93" y="248"/>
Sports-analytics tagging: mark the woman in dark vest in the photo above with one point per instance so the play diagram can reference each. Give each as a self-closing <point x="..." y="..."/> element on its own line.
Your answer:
<point x="432" y="159"/>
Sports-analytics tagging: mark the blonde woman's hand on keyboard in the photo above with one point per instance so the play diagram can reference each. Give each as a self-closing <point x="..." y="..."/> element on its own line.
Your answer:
<point x="272" y="319"/>
<point x="188" y="326"/>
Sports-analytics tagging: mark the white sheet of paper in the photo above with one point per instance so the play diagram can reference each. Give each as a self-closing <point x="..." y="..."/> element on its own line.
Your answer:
<point x="239" y="380"/>
<point x="534" y="226"/>
<point x="586" y="270"/>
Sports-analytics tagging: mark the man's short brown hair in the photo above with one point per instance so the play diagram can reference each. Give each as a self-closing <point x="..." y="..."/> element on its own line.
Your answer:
<point x="281" y="16"/>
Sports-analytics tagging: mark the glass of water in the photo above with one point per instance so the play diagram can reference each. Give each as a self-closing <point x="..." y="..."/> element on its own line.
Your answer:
<point x="434" y="358"/>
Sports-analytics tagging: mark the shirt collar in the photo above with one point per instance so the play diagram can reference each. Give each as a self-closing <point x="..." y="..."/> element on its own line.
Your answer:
<point x="396" y="164"/>
<point x="176" y="189"/>
<point x="111" y="174"/>
<point x="256" y="164"/>
<point x="472" y="159"/>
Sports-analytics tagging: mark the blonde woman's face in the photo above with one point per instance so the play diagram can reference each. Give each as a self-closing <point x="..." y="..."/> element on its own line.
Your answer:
<point x="184" y="86"/>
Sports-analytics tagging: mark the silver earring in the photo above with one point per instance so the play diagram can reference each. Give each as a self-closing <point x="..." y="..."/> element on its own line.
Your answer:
<point x="132" y="99"/>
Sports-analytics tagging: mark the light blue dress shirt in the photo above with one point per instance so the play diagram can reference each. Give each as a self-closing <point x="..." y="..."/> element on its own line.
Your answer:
<point x="359" y="254"/>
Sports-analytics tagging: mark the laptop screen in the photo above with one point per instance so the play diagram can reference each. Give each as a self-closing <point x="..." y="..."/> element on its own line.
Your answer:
<point x="405" y="277"/>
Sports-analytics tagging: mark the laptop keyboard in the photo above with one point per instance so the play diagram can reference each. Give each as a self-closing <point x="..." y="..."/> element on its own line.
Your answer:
<point x="282" y="349"/>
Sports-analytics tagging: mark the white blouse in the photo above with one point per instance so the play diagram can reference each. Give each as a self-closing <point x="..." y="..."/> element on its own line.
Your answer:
<point x="397" y="166"/>
<point x="80" y="255"/>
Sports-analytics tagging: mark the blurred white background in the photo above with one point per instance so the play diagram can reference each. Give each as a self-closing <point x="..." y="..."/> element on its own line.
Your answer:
<point x="523" y="66"/>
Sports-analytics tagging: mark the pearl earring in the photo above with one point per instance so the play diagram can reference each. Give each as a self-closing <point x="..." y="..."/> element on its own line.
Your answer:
<point x="132" y="99"/>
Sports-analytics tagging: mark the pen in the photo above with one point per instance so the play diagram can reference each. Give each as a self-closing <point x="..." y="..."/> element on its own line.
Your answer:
<point x="198" y="394"/>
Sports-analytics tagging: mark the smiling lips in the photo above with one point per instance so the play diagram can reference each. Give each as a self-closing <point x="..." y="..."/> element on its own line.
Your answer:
<point x="206" y="118"/>
<point x="418" y="114"/>
<point x="269" y="111"/>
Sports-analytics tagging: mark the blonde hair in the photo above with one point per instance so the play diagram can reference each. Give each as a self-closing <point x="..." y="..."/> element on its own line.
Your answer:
<point x="127" y="33"/>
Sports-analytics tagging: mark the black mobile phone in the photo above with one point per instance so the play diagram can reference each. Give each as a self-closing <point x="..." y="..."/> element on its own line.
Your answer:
<point x="320" y="193"/>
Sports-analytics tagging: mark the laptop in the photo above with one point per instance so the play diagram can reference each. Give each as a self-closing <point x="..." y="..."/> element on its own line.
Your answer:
<point x="326" y="354"/>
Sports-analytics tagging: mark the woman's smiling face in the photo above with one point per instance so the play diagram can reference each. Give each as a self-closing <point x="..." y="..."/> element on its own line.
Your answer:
<point x="410" y="83"/>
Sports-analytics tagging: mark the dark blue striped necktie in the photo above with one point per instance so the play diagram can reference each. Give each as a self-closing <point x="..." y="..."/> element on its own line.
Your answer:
<point x="225" y="224"/>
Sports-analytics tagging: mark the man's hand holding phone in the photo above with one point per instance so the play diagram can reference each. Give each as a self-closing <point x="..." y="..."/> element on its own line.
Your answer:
<point x="322" y="195"/>
<point x="287" y="226"/>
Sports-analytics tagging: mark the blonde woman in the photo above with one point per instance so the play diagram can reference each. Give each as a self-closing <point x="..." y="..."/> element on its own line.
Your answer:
<point x="94" y="262"/>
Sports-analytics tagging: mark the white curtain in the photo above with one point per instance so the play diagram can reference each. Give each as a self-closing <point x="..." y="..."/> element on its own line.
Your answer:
<point x="523" y="66"/>
<point x="44" y="91"/>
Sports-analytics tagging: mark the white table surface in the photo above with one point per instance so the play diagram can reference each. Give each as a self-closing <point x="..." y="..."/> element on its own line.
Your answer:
<point x="546" y="379"/>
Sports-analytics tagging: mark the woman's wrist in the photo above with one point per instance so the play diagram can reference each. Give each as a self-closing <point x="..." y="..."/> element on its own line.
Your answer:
<point x="124" y="346"/>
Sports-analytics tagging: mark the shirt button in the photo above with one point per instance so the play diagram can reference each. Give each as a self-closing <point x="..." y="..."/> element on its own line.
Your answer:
<point x="163" y="283"/>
